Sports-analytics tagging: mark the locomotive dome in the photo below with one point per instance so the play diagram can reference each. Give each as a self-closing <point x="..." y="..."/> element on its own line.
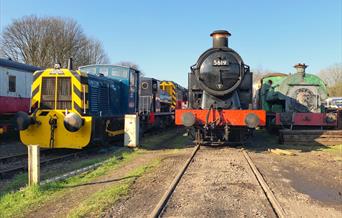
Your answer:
<point x="219" y="70"/>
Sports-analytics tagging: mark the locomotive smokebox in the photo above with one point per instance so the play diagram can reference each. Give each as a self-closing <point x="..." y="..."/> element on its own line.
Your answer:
<point x="220" y="38"/>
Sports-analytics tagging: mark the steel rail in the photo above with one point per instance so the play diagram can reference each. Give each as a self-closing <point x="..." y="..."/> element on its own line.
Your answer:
<point x="267" y="191"/>
<point x="15" y="156"/>
<point x="22" y="155"/>
<point x="158" y="210"/>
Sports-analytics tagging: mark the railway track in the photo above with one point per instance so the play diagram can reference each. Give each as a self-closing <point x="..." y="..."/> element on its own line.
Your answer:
<point x="14" y="164"/>
<point x="14" y="157"/>
<point x="162" y="204"/>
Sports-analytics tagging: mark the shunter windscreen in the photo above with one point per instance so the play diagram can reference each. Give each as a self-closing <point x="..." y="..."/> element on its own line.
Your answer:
<point x="48" y="93"/>
<point x="64" y="93"/>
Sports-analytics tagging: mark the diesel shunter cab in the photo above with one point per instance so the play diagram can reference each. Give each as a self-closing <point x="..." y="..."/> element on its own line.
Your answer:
<point x="58" y="108"/>
<point x="73" y="108"/>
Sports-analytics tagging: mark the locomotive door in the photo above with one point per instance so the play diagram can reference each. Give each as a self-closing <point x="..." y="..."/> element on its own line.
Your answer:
<point x="133" y="100"/>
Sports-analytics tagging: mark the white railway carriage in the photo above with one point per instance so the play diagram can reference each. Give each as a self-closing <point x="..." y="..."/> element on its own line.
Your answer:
<point x="15" y="89"/>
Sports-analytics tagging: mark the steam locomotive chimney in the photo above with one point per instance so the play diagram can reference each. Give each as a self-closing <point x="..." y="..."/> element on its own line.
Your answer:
<point x="301" y="68"/>
<point x="220" y="38"/>
<point x="70" y="64"/>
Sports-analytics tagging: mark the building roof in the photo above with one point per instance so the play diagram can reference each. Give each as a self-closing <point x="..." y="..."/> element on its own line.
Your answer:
<point x="19" y="66"/>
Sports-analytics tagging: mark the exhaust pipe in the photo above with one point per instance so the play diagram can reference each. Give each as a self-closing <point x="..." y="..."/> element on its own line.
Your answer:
<point x="300" y="68"/>
<point x="70" y="64"/>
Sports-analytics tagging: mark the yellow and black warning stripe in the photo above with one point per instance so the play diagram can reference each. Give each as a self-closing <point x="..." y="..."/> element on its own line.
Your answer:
<point x="170" y="88"/>
<point x="35" y="91"/>
<point x="79" y="93"/>
<point x="37" y="74"/>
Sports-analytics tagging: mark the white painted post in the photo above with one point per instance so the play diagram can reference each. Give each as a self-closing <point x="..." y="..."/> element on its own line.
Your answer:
<point x="131" y="130"/>
<point x="33" y="164"/>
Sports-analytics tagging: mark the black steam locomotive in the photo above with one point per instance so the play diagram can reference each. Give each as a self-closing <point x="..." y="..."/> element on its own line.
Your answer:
<point x="220" y="96"/>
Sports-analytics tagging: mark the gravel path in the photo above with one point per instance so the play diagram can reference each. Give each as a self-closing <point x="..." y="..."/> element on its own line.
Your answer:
<point x="219" y="183"/>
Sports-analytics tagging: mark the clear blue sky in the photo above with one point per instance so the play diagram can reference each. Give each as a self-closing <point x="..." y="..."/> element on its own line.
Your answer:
<point x="165" y="37"/>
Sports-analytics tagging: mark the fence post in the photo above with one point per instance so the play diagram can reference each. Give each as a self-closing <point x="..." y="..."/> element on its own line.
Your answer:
<point x="33" y="164"/>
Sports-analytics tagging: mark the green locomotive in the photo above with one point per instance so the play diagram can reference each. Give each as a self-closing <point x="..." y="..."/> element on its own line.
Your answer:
<point x="295" y="100"/>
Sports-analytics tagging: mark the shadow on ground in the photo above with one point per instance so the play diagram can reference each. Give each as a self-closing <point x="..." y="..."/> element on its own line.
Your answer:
<point x="101" y="182"/>
<point x="172" y="138"/>
<point x="262" y="141"/>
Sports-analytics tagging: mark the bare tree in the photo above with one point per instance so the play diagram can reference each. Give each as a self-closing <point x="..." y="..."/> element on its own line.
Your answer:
<point x="335" y="90"/>
<point x="259" y="73"/>
<point x="45" y="41"/>
<point x="332" y="76"/>
<point x="128" y="64"/>
<point x="132" y="65"/>
<point x="93" y="52"/>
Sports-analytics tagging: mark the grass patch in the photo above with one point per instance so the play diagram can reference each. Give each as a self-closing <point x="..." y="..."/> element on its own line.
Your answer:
<point x="98" y="202"/>
<point x="21" y="202"/>
<point x="15" y="183"/>
<point x="21" y="179"/>
<point x="15" y="204"/>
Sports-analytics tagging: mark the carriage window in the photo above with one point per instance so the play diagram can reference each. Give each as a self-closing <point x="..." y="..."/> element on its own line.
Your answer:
<point x="11" y="83"/>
